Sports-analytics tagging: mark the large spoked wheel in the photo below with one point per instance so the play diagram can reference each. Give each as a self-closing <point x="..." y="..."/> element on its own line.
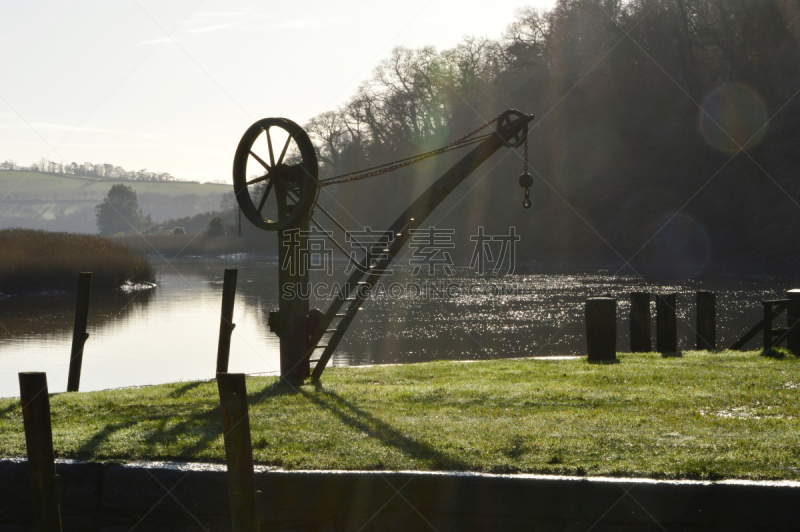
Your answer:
<point x="276" y="190"/>
<point x="506" y="122"/>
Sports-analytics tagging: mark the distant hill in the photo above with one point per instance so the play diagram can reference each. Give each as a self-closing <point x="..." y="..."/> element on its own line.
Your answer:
<point x="60" y="202"/>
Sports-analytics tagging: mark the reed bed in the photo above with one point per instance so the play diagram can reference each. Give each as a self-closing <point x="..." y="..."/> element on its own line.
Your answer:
<point x="35" y="261"/>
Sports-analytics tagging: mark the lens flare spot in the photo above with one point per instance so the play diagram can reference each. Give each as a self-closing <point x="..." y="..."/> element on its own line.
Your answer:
<point x="733" y="117"/>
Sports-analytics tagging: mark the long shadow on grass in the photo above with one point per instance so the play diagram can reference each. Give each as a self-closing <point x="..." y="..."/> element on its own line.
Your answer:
<point x="14" y="405"/>
<point x="206" y="426"/>
<point x="203" y="427"/>
<point x="183" y="390"/>
<point x="279" y="387"/>
<point x="378" y="429"/>
<point x="90" y="447"/>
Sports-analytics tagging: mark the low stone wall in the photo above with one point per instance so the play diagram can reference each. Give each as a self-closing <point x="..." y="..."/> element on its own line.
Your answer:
<point x="176" y="497"/>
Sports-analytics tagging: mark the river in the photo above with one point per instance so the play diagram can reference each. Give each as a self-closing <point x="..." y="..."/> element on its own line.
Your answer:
<point x="169" y="333"/>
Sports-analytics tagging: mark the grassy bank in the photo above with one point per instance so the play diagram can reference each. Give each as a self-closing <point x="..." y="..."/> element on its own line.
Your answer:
<point x="34" y="261"/>
<point x="702" y="415"/>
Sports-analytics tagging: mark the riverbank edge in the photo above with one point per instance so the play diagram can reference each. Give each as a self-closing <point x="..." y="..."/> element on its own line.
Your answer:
<point x="126" y="288"/>
<point x="177" y="495"/>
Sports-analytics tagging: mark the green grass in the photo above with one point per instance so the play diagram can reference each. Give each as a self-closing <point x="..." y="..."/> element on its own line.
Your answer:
<point x="702" y="415"/>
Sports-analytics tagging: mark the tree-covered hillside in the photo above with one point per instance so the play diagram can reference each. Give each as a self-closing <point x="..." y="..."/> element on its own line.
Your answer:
<point x="666" y="131"/>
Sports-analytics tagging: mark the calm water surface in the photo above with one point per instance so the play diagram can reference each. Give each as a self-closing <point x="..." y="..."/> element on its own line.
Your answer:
<point x="170" y="333"/>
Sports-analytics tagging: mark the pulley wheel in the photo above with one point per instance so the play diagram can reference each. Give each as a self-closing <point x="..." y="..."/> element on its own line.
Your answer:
<point x="275" y="174"/>
<point x="504" y="124"/>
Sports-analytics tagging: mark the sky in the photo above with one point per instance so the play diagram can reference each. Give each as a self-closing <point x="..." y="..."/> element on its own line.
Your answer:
<point x="172" y="86"/>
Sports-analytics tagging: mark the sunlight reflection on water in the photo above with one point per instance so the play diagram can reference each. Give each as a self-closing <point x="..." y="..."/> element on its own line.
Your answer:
<point x="170" y="333"/>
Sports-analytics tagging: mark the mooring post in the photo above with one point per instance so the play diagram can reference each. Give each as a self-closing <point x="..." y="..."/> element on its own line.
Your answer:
<point x="793" y="321"/>
<point x="640" y="322"/>
<point x="601" y="329"/>
<point x="226" y="324"/>
<point x="238" y="452"/>
<point x="79" y="334"/>
<point x="666" y="324"/>
<point x="706" y="324"/>
<point x="769" y="317"/>
<point x="39" y="443"/>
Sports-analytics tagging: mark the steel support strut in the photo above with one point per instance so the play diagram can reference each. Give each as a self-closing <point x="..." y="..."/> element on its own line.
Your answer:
<point x="292" y="311"/>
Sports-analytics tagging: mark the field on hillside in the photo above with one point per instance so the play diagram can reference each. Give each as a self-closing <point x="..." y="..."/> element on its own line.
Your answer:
<point x="66" y="203"/>
<point x="47" y="187"/>
<point x="701" y="415"/>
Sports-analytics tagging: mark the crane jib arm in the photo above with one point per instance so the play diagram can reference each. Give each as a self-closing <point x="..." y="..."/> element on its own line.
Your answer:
<point x="510" y="133"/>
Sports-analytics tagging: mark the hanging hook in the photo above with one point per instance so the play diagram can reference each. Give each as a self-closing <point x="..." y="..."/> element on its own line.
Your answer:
<point x="526" y="179"/>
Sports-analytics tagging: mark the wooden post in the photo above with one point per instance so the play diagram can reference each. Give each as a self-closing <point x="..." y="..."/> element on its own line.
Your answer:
<point x="238" y="452"/>
<point x="793" y="321"/>
<point x="769" y="317"/>
<point x="640" y="322"/>
<point x="666" y="324"/>
<point x="39" y="442"/>
<point x="79" y="334"/>
<point x="226" y="324"/>
<point x="706" y="324"/>
<point x="601" y="329"/>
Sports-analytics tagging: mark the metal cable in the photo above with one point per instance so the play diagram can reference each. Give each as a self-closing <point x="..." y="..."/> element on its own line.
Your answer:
<point x="408" y="161"/>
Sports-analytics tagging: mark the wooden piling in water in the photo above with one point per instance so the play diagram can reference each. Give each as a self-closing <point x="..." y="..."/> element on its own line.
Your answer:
<point x="238" y="452"/>
<point x="640" y="323"/>
<point x="226" y="324"/>
<point x="601" y="329"/>
<point x="41" y="459"/>
<point x="770" y="313"/>
<point x="793" y="321"/>
<point x="79" y="334"/>
<point x="666" y="324"/>
<point x="706" y="322"/>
